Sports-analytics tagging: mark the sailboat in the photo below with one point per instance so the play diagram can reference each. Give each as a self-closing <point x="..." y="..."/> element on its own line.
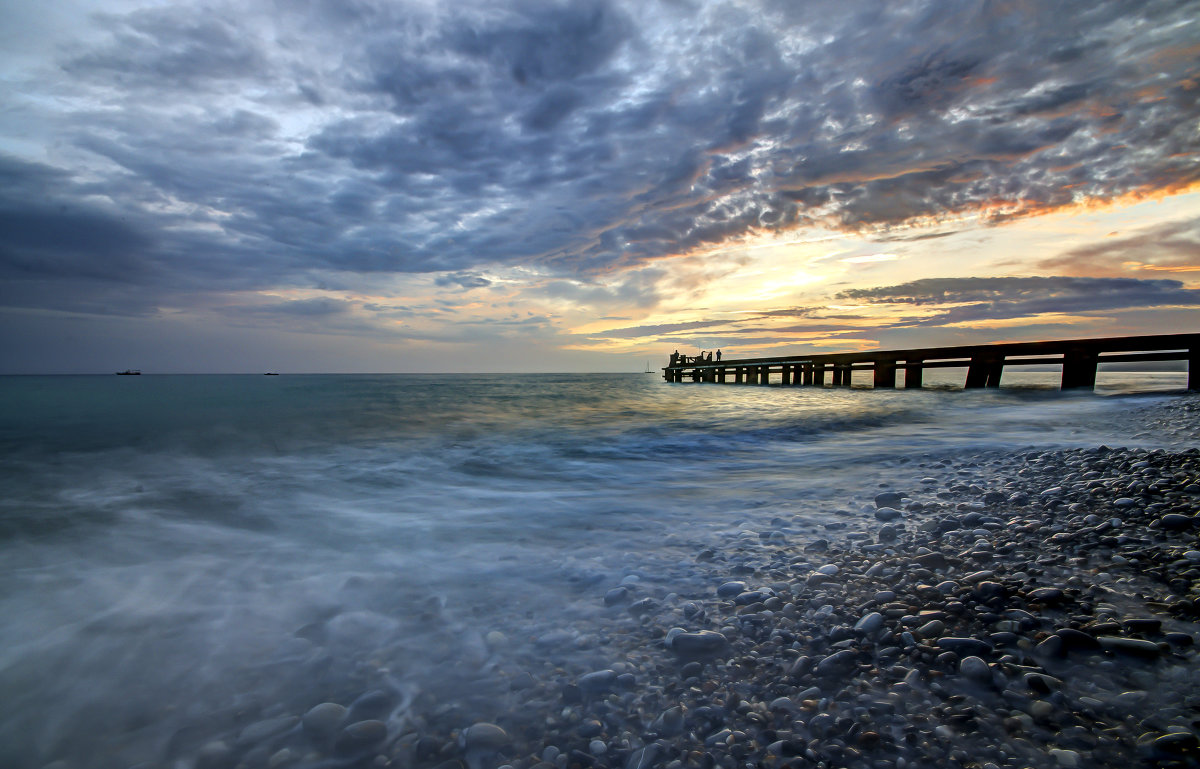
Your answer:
<point x="648" y="371"/>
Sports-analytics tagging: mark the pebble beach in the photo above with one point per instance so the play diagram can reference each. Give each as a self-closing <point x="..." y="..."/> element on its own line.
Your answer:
<point x="1036" y="609"/>
<point x="658" y="577"/>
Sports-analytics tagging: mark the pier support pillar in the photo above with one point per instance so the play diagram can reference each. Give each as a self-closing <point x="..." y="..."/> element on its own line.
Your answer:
<point x="785" y="376"/>
<point x="885" y="373"/>
<point x="808" y="374"/>
<point x="984" y="372"/>
<point x="764" y="375"/>
<point x="1079" y="369"/>
<point x="841" y="375"/>
<point x="913" y="374"/>
<point x="721" y="375"/>
<point x="1194" y="368"/>
<point x="819" y="374"/>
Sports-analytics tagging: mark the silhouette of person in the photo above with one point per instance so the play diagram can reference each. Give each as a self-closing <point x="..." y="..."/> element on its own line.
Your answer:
<point x="709" y="358"/>
<point x="718" y="356"/>
<point x="674" y="357"/>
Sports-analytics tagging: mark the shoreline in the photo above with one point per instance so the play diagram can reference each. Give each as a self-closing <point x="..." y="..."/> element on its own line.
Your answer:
<point x="1048" y="620"/>
<point x="1026" y="609"/>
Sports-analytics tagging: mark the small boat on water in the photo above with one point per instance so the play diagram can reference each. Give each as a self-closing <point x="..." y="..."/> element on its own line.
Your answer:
<point x="271" y="373"/>
<point x="129" y="372"/>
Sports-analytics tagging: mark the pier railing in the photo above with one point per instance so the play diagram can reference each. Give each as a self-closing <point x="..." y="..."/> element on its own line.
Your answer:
<point x="984" y="363"/>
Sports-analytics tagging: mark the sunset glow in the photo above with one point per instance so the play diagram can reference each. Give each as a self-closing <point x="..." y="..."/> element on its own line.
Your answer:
<point x="582" y="186"/>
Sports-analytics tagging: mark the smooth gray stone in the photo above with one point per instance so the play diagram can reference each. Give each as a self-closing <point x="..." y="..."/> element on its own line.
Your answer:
<point x="670" y="723"/>
<point x="645" y="757"/>
<point x="1132" y="646"/>
<point x="888" y="514"/>
<point x="988" y="589"/>
<point x="615" y="596"/>
<point x="976" y="669"/>
<point x="703" y="643"/>
<point x="484" y="736"/>
<point x="731" y="589"/>
<point x="932" y="560"/>
<point x="322" y="721"/>
<point x="1175" y="522"/>
<point x="965" y="646"/>
<point x="1077" y="640"/>
<point x="261" y="730"/>
<point x="598" y="682"/>
<point x="361" y="735"/>
<point x="1050" y="595"/>
<point x="869" y="623"/>
<point x="838" y="663"/>
<point x="1177" y="743"/>
<point x="889" y="499"/>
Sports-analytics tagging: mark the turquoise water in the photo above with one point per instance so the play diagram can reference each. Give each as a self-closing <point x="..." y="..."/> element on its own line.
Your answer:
<point x="168" y="543"/>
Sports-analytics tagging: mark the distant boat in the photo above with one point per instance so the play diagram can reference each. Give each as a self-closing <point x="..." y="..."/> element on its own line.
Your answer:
<point x="648" y="371"/>
<point x="270" y="373"/>
<point x="129" y="372"/>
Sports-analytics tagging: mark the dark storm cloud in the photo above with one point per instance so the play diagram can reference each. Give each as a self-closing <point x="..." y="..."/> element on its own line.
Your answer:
<point x="214" y="147"/>
<point x="973" y="299"/>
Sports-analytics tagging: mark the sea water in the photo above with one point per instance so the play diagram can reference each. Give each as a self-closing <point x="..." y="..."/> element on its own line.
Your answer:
<point x="183" y="553"/>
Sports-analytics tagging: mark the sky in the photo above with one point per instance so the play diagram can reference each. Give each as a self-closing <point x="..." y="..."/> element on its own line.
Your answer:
<point x="529" y="185"/>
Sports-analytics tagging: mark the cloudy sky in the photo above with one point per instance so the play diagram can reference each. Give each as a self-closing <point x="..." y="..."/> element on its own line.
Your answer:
<point x="517" y="185"/>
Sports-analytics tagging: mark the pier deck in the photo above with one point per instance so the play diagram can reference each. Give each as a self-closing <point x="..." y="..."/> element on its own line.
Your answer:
<point x="984" y="363"/>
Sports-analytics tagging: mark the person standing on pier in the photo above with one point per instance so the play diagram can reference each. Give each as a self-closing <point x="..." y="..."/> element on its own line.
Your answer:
<point x="674" y="357"/>
<point x="718" y="356"/>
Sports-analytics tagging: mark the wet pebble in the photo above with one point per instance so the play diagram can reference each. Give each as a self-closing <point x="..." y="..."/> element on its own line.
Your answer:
<point x="323" y="721"/>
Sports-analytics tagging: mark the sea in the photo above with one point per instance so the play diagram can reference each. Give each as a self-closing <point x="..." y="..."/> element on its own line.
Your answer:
<point x="181" y="554"/>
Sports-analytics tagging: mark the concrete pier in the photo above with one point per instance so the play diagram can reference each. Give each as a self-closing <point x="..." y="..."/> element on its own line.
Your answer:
<point x="985" y="364"/>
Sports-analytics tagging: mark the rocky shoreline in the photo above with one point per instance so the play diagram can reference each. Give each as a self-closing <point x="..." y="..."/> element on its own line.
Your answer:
<point x="1026" y="610"/>
<point x="1032" y="610"/>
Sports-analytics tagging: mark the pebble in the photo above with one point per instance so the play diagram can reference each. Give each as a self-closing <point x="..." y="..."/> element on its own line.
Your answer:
<point x="597" y="682"/>
<point x="889" y="499"/>
<point x="704" y="643"/>
<point x="257" y="732"/>
<point x="1175" y="522"/>
<point x="731" y="589"/>
<point x="1132" y="646"/>
<point x="887" y="514"/>
<point x="484" y="737"/>
<point x="323" y="721"/>
<point x="361" y="736"/>
<point x="976" y="669"/>
<point x="838" y="663"/>
<point x="965" y="646"/>
<point x="1065" y="758"/>
<point x="869" y="623"/>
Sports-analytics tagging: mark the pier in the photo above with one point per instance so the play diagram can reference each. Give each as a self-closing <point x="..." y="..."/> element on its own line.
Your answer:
<point x="985" y="363"/>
